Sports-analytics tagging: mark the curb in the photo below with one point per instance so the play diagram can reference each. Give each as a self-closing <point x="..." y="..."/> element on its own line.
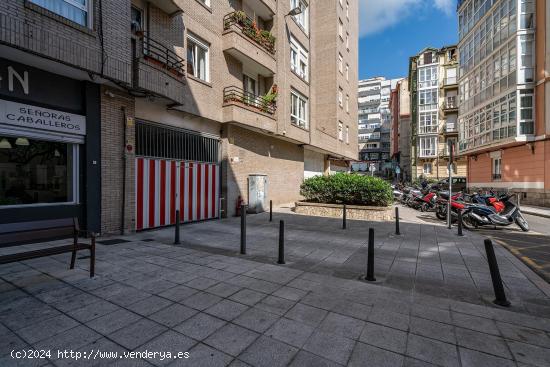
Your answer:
<point x="535" y="213"/>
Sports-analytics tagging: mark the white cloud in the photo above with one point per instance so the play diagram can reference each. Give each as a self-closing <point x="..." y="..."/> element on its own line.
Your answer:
<point x="377" y="15"/>
<point x="446" y="6"/>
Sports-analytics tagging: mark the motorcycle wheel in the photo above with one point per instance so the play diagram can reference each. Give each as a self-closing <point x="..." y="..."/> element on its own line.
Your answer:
<point x="522" y="223"/>
<point x="440" y="214"/>
<point x="424" y="207"/>
<point x="467" y="222"/>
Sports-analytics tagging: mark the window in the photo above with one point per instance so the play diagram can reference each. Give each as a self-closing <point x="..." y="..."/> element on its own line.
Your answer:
<point x="427" y="123"/>
<point x="37" y="172"/>
<point x="347" y="71"/>
<point x="340" y="97"/>
<point x="341" y="3"/>
<point x="298" y="59"/>
<point x="347" y="134"/>
<point x="347" y="103"/>
<point x="428" y="146"/>
<point x="302" y="18"/>
<point x="205" y="2"/>
<point x="427" y="77"/>
<point x="340" y="131"/>
<point x="136" y="16"/>
<point x="347" y="9"/>
<point x="427" y="169"/>
<point x="427" y="99"/>
<point x="77" y="11"/>
<point x="340" y="29"/>
<point x="197" y="58"/>
<point x="497" y="166"/>
<point x="340" y="64"/>
<point x="526" y="125"/>
<point x="298" y="110"/>
<point x="347" y="40"/>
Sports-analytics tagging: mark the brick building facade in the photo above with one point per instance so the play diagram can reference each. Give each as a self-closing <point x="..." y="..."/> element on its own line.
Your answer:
<point x="191" y="103"/>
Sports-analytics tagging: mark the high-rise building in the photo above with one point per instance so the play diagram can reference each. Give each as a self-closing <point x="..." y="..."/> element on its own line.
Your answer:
<point x="504" y="94"/>
<point x="433" y="88"/>
<point x="375" y="122"/>
<point x="400" y="152"/>
<point x="133" y="109"/>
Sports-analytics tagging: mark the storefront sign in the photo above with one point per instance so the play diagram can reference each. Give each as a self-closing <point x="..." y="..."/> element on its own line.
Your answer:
<point x="29" y="116"/>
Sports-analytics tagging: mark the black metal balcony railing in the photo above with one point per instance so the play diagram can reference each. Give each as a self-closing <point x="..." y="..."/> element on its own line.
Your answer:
<point x="450" y="103"/>
<point x="497" y="176"/>
<point x="249" y="28"/>
<point x="451" y="128"/>
<point x="239" y="96"/>
<point x="158" y="53"/>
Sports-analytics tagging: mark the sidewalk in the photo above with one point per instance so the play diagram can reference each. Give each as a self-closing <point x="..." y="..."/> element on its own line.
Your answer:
<point x="536" y="210"/>
<point x="231" y="310"/>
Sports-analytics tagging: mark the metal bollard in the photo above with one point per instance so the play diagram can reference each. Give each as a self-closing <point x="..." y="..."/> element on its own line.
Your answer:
<point x="344" y="218"/>
<point x="243" y="229"/>
<point x="397" y="221"/>
<point x="370" y="257"/>
<point x="500" y="296"/>
<point x="460" y="223"/>
<point x="281" y="242"/>
<point x="271" y="210"/>
<point x="177" y="229"/>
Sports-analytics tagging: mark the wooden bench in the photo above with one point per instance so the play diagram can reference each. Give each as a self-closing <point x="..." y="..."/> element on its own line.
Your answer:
<point x="13" y="234"/>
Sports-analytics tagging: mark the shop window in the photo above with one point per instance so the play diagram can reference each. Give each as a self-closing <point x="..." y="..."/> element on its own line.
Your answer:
<point x="37" y="172"/>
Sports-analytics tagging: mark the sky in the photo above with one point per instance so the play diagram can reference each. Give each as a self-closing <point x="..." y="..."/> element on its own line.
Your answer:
<point x="390" y="31"/>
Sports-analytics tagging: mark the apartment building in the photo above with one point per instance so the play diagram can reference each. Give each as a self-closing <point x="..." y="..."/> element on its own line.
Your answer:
<point x="504" y="94"/>
<point x="433" y="87"/>
<point x="131" y="110"/>
<point x="374" y="122"/>
<point x="400" y="134"/>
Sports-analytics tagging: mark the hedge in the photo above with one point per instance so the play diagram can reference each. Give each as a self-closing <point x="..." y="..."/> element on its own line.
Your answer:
<point x="345" y="188"/>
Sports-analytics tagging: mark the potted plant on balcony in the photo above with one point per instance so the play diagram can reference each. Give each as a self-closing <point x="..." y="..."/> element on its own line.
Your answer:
<point x="268" y="100"/>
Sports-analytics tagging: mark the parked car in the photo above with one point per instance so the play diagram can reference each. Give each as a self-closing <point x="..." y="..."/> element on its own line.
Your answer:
<point x="459" y="184"/>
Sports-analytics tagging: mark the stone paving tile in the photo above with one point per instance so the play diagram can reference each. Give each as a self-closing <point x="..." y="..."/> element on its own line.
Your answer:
<point x="330" y="346"/>
<point x="480" y="324"/>
<point x="172" y="315"/>
<point x="290" y="331"/>
<point x="202" y="355"/>
<point x="137" y="334"/>
<point x="384" y="337"/>
<point x="256" y="319"/>
<point x="432" y="329"/>
<point x="530" y="354"/>
<point x="367" y="355"/>
<point x="72" y="339"/>
<point x="226" y="309"/>
<point x="471" y="358"/>
<point x="223" y="289"/>
<point x="524" y="334"/>
<point x="46" y="329"/>
<point x="483" y="342"/>
<point x="268" y="352"/>
<point x="391" y="319"/>
<point x="306" y="359"/>
<point x="201" y="283"/>
<point x="201" y="301"/>
<point x="9" y="341"/>
<point x="149" y="305"/>
<point x="411" y="362"/>
<point x="348" y="327"/>
<point x="178" y="293"/>
<point x="290" y="293"/>
<point x="275" y="305"/>
<point x="231" y="339"/>
<point x="432" y="351"/>
<point x="248" y="297"/>
<point x="113" y="321"/>
<point x="200" y="326"/>
<point x="169" y="341"/>
<point x="306" y="314"/>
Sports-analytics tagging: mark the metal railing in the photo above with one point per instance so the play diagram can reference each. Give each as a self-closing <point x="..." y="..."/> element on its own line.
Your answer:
<point x="248" y="27"/>
<point x="450" y="81"/>
<point x="157" y="52"/>
<point x="450" y="103"/>
<point x="497" y="176"/>
<point x="239" y="96"/>
<point x="451" y="128"/>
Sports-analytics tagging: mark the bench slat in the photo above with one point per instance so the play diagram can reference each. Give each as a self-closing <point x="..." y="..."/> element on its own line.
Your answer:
<point x="36" y="225"/>
<point x="6" y="259"/>
<point x="14" y="238"/>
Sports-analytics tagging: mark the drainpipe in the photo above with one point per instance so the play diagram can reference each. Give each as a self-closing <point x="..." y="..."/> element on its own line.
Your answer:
<point x="124" y="160"/>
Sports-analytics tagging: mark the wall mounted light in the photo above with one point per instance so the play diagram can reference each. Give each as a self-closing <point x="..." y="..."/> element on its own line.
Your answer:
<point x="22" y="142"/>
<point x="5" y="144"/>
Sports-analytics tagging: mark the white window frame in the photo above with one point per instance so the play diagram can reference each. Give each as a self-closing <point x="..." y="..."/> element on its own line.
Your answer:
<point x="428" y="122"/>
<point x="347" y="9"/>
<point x="340" y="29"/>
<point x="341" y="63"/>
<point x="427" y="171"/>
<point x="347" y="72"/>
<point x="301" y="19"/>
<point x="428" y="150"/>
<point x="86" y="7"/>
<point x="347" y="103"/>
<point x="347" y="134"/>
<point x="340" y="97"/>
<point x="206" y="47"/>
<point x="298" y="55"/>
<point x="347" y="41"/>
<point x="300" y="121"/>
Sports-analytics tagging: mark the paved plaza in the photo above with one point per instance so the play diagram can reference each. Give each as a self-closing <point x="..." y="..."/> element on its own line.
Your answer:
<point x="430" y="306"/>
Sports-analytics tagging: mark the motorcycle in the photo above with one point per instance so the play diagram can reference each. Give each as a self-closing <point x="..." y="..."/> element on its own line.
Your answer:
<point x="476" y="215"/>
<point x="442" y="204"/>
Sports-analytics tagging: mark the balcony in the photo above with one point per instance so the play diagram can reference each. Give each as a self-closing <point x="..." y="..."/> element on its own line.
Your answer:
<point x="248" y="109"/>
<point x="450" y="105"/>
<point x="450" y="128"/>
<point x="252" y="46"/>
<point x="497" y="176"/>
<point x="170" y="7"/>
<point x="158" y="69"/>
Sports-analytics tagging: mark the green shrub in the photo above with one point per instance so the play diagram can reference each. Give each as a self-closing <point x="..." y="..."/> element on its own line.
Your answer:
<point x="345" y="188"/>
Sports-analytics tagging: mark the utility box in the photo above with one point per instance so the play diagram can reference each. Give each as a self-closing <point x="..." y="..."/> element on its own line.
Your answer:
<point x="257" y="193"/>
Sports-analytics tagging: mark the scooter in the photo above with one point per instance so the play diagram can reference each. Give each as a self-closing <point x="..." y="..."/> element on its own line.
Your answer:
<point x="477" y="215"/>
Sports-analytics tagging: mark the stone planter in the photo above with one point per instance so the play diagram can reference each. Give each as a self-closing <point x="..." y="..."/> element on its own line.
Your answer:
<point x="360" y="212"/>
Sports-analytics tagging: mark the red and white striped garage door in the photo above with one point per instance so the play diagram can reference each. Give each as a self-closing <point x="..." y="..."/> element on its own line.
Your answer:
<point x="164" y="186"/>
